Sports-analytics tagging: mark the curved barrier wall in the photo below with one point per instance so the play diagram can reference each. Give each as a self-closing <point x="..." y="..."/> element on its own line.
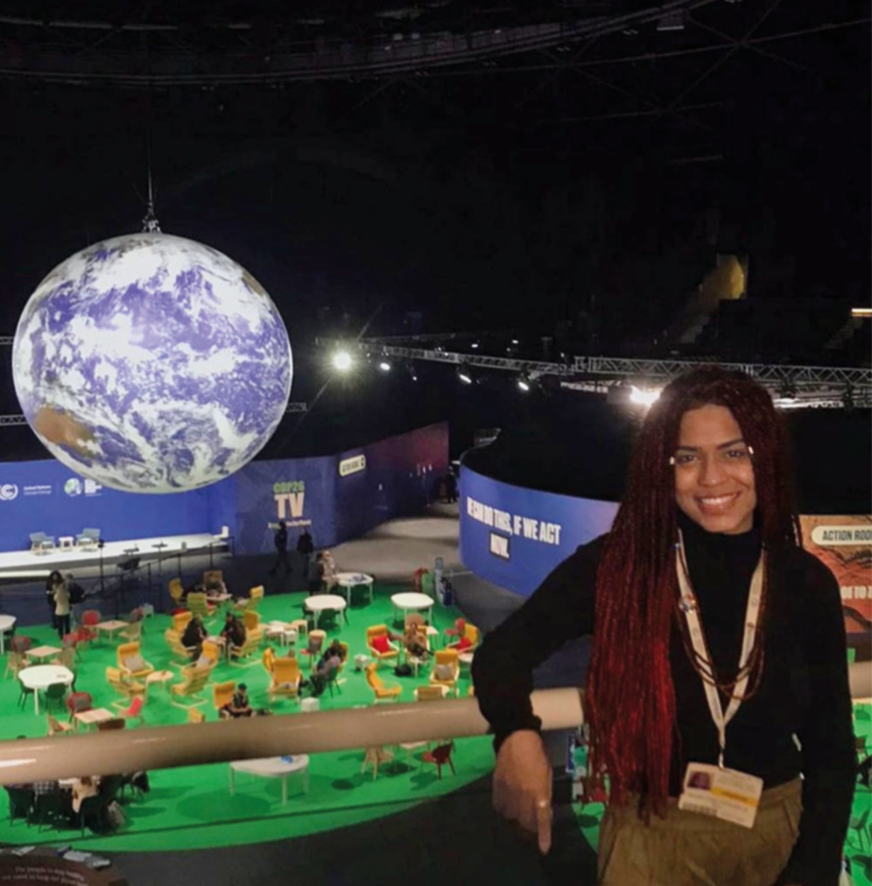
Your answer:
<point x="514" y="537"/>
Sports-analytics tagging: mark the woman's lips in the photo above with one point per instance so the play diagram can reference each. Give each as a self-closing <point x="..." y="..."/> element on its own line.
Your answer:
<point x="715" y="505"/>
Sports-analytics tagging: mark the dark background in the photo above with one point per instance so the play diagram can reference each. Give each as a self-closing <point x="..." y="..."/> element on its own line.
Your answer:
<point x="589" y="183"/>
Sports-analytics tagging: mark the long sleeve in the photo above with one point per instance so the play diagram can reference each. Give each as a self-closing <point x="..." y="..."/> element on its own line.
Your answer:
<point x="560" y="610"/>
<point x="829" y="762"/>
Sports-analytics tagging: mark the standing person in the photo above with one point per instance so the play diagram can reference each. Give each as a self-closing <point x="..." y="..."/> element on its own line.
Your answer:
<point x="54" y="579"/>
<point x="281" y="543"/>
<point x="62" y="607"/>
<point x="305" y="547"/>
<point x="717" y="641"/>
<point x="316" y="574"/>
<point x="450" y="487"/>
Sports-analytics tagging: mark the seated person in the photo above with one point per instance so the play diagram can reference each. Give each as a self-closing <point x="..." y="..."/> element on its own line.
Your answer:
<point x="335" y="650"/>
<point x="330" y="571"/>
<point x="215" y="588"/>
<point x="233" y="630"/>
<point x="414" y="639"/>
<point x="194" y="635"/>
<point x="239" y="705"/>
<point x="316" y="573"/>
<point x="329" y="661"/>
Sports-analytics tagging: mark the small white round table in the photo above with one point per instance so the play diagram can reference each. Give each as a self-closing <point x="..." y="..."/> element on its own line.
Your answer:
<point x="273" y="767"/>
<point x="349" y="580"/>
<point x="414" y="601"/>
<point x="322" y="602"/>
<point x="7" y="622"/>
<point x="41" y="677"/>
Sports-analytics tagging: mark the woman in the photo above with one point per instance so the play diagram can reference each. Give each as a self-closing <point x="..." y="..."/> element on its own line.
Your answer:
<point x="706" y="527"/>
<point x="61" y="592"/>
<point x="54" y="579"/>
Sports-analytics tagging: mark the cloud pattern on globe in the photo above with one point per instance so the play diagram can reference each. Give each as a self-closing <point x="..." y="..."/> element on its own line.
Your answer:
<point x="152" y="363"/>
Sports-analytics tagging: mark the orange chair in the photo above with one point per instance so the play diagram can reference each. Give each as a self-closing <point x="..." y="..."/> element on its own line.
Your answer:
<point x="286" y="679"/>
<point x="181" y="620"/>
<point x="383" y="691"/>
<point x="446" y="669"/>
<point x="131" y="662"/>
<point x="379" y="645"/>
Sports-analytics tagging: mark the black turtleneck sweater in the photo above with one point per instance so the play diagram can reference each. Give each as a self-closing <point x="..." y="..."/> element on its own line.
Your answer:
<point x="803" y="691"/>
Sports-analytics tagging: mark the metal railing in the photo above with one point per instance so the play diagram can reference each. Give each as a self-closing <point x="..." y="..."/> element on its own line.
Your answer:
<point x="166" y="747"/>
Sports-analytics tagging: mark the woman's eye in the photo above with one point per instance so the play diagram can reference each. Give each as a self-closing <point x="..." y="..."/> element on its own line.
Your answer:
<point x="737" y="453"/>
<point x="684" y="458"/>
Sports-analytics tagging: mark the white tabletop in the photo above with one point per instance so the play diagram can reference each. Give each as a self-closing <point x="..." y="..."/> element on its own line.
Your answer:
<point x="112" y="625"/>
<point x="411" y="600"/>
<point x="43" y="651"/>
<point x="6" y="622"/>
<point x="352" y="579"/>
<point x="324" y="601"/>
<point x="271" y="766"/>
<point x="41" y="676"/>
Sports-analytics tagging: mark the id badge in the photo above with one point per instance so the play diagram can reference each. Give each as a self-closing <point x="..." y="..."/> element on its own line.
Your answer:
<point x="722" y="793"/>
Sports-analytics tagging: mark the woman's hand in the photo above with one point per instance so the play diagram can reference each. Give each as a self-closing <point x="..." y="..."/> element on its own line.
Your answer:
<point x="522" y="785"/>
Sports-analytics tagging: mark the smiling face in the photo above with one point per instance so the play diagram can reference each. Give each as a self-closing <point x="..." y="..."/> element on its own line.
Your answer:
<point x="714" y="476"/>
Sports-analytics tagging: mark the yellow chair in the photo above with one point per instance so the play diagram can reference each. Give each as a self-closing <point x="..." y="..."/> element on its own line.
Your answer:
<point x="269" y="659"/>
<point x="251" y="619"/>
<point x="286" y="678"/>
<point x="194" y="681"/>
<point x="382" y="650"/>
<point x="198" y="605"/>
<point x="222" y="694"/>
<point x="446" y="669"/>
<point x="180" y="652"/>
<point x="131" y="662"/>
<point x="252" y="601"/>
<point x="383" y="691"/>
<point x="177" y="591"/>
<point x="195" y="716"/>
<point x="211" y="651"/>
<point x="181" y="620"/>
<point x="127" y="689"/>
<point x="253" y="640"/>
<point x="132" y="632"/>
<point x="423" y="694"/>
<point x="469" y="639"/>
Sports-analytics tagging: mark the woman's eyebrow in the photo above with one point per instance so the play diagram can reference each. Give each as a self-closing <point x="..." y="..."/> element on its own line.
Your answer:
<point x="719" y="446"/>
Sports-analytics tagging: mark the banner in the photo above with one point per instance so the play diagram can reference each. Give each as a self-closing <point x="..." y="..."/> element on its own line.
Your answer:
<point x="844" y="544"/>
<point x="46" y="496"/>
<point x="514" y="537"/>
<point x="300" y="491"/>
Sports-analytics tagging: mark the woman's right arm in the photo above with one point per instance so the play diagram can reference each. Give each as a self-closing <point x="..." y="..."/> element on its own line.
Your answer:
<point x="561" y="609"/>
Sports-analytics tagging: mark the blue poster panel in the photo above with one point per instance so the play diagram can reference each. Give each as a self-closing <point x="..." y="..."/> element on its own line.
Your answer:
<point x="300" y="491"/>
<point x="514" y="537"/>
<point x="46" y="496"/>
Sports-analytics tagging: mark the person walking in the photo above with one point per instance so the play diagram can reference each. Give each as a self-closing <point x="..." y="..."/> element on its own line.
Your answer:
<point x="305" y="547"/>
<point x="281" y="544"/>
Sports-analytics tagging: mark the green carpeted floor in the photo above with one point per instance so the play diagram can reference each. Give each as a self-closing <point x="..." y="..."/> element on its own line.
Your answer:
<point x="191" y="807"/>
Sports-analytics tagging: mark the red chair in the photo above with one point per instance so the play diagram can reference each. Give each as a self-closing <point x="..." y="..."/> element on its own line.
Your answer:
<point x="440" y="756"/>
<point x="457" y="630"/>
<point x="20" y="644"/>
<point x="134" y="711"/>
<point x="78" y="702"/>
<point x="88" y="628"/>
<point x="418" y="576"/>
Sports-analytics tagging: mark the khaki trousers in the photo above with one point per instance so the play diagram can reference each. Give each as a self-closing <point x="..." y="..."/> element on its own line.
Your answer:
<point x="689" y="849"/>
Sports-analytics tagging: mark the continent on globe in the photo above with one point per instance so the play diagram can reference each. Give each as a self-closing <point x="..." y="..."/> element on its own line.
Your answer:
<point x="152" y="363"/>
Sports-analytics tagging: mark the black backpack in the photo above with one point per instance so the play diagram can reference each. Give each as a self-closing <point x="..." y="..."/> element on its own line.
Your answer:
<point x="77" y="593"/>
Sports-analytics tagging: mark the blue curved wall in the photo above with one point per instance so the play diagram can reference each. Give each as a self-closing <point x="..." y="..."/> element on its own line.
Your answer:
<point x="514" y="537"/>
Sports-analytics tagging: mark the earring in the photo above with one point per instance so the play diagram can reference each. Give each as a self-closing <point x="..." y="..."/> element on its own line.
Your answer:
<point x="672" y="460"/>
<point x="750" y="450"/>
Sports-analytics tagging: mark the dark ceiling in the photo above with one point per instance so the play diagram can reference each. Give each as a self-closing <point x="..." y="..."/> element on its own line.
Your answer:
<point x="492" y="165"/>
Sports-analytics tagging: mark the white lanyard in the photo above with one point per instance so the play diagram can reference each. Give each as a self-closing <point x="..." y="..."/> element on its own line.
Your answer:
<point x="691" y="612"/>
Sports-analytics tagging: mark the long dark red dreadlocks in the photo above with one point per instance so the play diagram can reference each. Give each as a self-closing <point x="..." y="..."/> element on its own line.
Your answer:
<point x="630" y="698"/>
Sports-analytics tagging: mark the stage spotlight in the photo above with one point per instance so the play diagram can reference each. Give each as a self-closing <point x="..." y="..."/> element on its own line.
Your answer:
<point x="384" y="366"/>
<point x="524" y="383"/>
<point x="413" y="373"/>
<point x="644" y="397"/>
<point x="464" y="375"/>
<point x="342" y="361"/>
<point x="474" y="344"/>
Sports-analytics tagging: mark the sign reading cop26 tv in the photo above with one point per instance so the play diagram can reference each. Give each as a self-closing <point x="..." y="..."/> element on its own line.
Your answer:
<point x="514" y="537"/>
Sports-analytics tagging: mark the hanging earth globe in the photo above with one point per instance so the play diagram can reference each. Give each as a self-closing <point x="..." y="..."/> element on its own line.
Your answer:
<point x="152" y="363"/>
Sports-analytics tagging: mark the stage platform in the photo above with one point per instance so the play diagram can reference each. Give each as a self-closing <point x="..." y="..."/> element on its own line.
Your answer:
<point x="26" y="564"/>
